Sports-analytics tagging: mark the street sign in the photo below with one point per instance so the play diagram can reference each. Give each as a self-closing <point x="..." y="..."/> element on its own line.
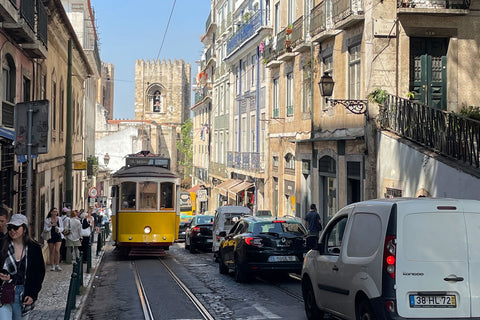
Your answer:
<point x="40" y="130"/>
<point x="79" y="165"/>
<point x="202" y="195"/>
<point x="93" y="192"/>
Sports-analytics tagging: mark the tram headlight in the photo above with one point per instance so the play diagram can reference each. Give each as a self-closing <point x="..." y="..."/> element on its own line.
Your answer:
<point x="147" y="230"/>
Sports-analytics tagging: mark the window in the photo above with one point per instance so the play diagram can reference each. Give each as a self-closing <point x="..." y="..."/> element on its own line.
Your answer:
<point x="8" y="79"/>
<point x="157" y="101"/>
<point x="148" y="195"/>
<point x="290" y="94"/>
<point x="54" y="106"/>
<point x="291" y="11"/>
<point x="166" y="194"/>
<point x="334" y="237"/>
<point x="275" y="98"/>
<point x="364" y="235"/>
<point x="289" y="161"/>
<point x="128" y="191"/>
<point x="354" y="72"/>
<point x="306" y="88"/>
<point x="252" y="133"/>
<point x="275" y="161"/>
<point x="62" y="111"/>
<point x="253" y="70"/>
<point x="277" y="18"/>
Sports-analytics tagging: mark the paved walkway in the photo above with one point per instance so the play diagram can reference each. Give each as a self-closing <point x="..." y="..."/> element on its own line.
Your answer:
<point x="52" y="299"/>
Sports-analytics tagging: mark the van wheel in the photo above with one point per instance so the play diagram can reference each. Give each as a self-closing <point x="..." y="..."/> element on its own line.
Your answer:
<point x="311" y="308"/>
<point x="222" y="268"/>
<point x="240" y="275"/>
<point x="365" y="311"/>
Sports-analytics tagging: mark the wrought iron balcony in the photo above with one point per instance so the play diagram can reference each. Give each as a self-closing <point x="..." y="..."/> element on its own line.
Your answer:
<point x="26" y="24"/>
<point x="297" y="35"/>
<point x="203" y="93"/>
<point x="249" y="161"/>
<point x="448" y="4"/>
<point x="245" y="31"/>
<point x="447" y="133"/>
<point x="317" y="19"/>
<point x="347" y="12"/>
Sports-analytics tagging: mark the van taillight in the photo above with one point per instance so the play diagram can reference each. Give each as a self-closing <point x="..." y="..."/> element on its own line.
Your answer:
<point x="390" y="305"/>
<point x="389" y="256"/>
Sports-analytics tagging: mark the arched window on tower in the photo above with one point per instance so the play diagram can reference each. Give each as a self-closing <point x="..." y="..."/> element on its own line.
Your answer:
<point x="157" y="101"/>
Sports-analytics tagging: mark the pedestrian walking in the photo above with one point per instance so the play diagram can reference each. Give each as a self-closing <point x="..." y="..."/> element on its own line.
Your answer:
<point x="73" y="238"/>
<point x="54" y="225"/>
<point x="64" y="219"/>
<point x="312" y="221"/>
<point x="23" y="270"/>
<point x="87" y="225"/>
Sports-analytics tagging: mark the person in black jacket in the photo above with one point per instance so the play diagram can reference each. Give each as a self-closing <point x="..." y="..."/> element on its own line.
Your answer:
<point x="23" y="264"/>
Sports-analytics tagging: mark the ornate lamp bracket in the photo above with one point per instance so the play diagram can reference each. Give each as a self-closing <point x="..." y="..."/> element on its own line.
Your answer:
<point x="352" y="105"/>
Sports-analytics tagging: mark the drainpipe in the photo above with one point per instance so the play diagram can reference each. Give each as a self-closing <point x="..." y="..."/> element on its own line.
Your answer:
<point x="311" y="122"/>
<point x="257" y="125"/>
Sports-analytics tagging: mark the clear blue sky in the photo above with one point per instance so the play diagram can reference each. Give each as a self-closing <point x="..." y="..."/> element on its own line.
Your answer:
<point x="130" y="30"/>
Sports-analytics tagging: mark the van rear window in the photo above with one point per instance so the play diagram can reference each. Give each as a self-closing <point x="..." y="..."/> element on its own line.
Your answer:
<point x="434" y="237"/>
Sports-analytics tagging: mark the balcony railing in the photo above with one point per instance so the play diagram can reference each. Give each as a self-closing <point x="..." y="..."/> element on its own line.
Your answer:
<point x="245" y="31"/>
<point x="202" y="93"/>
<point x="281" y="37"/>
<point x="342" y="9"/>
<point x="297" y="32"/>
<point x="208" y="22"/>
<point x="42" y="23"/>
<point x="250" y="161"/>
<point x="448" y="4"/>
<point x="209" y="54"/>
<point x="27" y="12"/>
<point x="317" y="19"/>
<point x="445" y="132"/>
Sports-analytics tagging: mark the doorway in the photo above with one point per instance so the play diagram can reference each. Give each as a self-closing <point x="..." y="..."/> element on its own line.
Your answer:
<point x="428" y="73"/>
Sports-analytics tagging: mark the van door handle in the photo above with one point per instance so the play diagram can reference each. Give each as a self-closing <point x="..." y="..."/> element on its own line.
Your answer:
<point x="453" y="278"/>
<point x="335" y="268"/>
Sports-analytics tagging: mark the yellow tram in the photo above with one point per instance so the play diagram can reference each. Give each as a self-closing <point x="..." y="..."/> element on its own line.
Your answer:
<point x="145" y="211"/>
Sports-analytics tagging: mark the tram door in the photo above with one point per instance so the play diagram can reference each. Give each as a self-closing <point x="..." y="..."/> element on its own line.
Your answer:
<point x="429" y="71"/>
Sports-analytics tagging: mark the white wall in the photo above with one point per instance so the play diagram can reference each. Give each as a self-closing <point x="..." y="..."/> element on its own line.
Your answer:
<point x="402" y="167"/>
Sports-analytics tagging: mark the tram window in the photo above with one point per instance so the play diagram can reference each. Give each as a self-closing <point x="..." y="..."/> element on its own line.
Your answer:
<point x="166" y="192"/>
<point x="128" y="193"/>
<point x="148" y="195"/>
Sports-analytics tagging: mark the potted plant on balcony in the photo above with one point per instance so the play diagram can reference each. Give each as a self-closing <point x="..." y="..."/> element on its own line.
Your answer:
<point x="289" y="30"/>
<point x="378" y="96"/>
<point x="288" y="45"/>
<point x="246" y="16"/>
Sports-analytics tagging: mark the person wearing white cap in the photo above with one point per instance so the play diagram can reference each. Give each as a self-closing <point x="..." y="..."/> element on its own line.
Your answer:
<point x="23" y="265"/>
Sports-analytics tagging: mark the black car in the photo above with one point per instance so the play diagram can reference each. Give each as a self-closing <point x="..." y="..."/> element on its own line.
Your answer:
<point x="198" y="234"/>
<point x="184" y="221"/>
<point x="263" y="244"/>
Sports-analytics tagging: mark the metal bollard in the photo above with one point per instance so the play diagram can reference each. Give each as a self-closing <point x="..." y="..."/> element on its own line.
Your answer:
<point x="99" y="243"/>
<point x="89" y="257"/>
<point x="71" y="296"/>
<point x="80" y="274"/>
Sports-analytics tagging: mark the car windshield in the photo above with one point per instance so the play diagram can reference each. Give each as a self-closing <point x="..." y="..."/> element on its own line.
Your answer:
<point x="279" y="227"/>
<point x="204" y="219"/>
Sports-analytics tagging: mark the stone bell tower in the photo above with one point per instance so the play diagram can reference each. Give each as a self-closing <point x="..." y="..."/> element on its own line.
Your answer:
<point x="162" y="91"/>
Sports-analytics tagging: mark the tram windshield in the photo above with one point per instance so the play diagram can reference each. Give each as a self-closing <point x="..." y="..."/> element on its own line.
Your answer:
<point x="166" y="200"/>
<point x="128" y="195"/>
<point x="148" y="195"/>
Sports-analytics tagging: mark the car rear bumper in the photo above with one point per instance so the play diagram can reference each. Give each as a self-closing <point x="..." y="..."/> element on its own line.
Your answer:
<point x="273" y="266"/>
<point x="202" y="242"/>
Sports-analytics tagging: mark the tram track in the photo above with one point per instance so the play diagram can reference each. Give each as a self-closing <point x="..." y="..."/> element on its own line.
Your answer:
<point x="282" y="289"/>
<point x="146" y="309"/>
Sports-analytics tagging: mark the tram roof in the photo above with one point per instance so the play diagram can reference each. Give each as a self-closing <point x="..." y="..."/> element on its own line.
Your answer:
<point x="144" y="171"/>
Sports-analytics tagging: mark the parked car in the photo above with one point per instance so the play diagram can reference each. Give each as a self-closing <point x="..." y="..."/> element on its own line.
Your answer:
<point x="262" y="244"/>
<point x="184" y="221"/>
<point x="397" y="259"/>
<point x="225" y="218"/>
<point x="198" y="234"/>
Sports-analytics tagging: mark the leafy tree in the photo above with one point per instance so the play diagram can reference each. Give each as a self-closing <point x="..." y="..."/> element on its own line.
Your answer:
<point x="184" y="147"/>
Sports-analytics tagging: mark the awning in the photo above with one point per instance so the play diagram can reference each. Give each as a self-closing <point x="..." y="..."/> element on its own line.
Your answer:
<point x="194" y="188"/>
<point x="227" y="184"/>
<point x="7" y="133"/>
<point x="240" y="187"/>
<point x="232" y="192"/>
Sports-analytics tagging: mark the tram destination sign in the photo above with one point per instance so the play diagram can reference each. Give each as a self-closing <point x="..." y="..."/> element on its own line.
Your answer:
<point x="148" y="161"/>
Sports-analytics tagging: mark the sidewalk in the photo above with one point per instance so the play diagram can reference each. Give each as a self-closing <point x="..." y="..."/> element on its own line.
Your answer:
<point x="52" y="299"/>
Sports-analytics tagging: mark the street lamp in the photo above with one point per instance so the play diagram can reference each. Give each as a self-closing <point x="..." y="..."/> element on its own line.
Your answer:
<point x="106" y="159"/>
<point x="326" y="85"/>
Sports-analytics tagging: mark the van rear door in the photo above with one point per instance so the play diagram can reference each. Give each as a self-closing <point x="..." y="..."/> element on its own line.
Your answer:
<point x="432" y="276"/>
<point x="472" y="218"/>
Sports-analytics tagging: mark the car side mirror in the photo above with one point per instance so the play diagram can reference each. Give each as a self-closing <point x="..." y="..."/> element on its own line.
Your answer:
<point x="222" y="234"/>
<point x="311" y="242"/>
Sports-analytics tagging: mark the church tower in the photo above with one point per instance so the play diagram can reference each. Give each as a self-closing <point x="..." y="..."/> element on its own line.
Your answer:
<point x="162" y="91"/>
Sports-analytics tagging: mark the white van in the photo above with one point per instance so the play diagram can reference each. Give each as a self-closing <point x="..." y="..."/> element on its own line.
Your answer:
<point x="397" y="259"/>
<point x="225" y="218"/>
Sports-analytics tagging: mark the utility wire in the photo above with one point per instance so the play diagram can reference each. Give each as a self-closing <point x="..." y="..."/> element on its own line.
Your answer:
<point x="166" y="29"/>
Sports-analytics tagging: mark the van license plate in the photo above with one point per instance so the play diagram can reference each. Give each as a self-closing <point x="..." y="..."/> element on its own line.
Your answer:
<point x="282" y="258"/>
<point x="446" y="301"/>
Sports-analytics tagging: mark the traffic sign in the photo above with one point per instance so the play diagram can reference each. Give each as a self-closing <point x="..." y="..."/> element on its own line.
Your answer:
<point x="93" y="192"/>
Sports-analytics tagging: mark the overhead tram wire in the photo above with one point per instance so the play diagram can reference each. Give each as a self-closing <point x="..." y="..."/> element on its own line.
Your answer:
<point x="166" y="29"/>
